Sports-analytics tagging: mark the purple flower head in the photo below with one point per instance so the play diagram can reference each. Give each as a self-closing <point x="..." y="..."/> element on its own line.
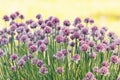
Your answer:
<point x="66" y="23"/>
<point x="91" y="43"/>
<point x="77" y="21"/>
<point x="24" y="38"/>
<point x="111" y="34"/>
<point x="13" y="27"/>
<point x="5" y="18"/>
<point x="30" y="34"/>
<point x="43" y="25"/>
<point x="39" y="42"/>
<point x="60" y="70"/>
<point x="30" y="56"/>
<point x="21" y="62"/>
<point x="20" y="29"/>
<point x="114" y="59"/>
<point x="87" y="20"/>
<point x="59" y="55"/>
<point x="76" y="35"/>
<point x="113" y="46"/>
<point x="50" y="24"/>
<point x="87" y="40"/>
<point x="80" y="26"/>
<point x="42" y="47"/>
<point x="64" y="51"/>
<point x="10" y="32"/>
<point x="4" y="41"/>
<point x="40" y="21"/>
<point x="81" y="38"/>
<point x="39" y="63"/>
<point x="104" y="28"/>
<point x="92" y="55"/>
<point x="72" y="37"/>
<point x="84" y="47"/>
<point x="2" y="53"/>
<point x="58" y="27"/>
<point x="13" y="16"/>
<point x="13" y="68"/>
<point x="24" y="57"/>
<point x="43" y="70"/>
<point x="96" y="35"/>
<point x="101" y="38"/>
<point x="17" y="13"/>
<point x="47" y="29"/>
<point x="66" y="31"/>
<point x="18" y="24"/>
<point x="89" y="76"/>
<point x="72" y="44"/>
<point x="38" y="16"/>
<point x="100" y="47"/>
<point x="29" y="21"/>
<point x="85" y="31"/>
<point x="55" y="20"/>
<point x="18" y="37"/>
<point x="30" y="44"/>
<point x="21" y="16"/>
<point x="27" y="30"/>
<point x="32" y="48"/>
<point x="46" y="21"/>
<point x="59" y="38"/>
<point x="94" y="29"/>
<point x="102" y="32"/>
<point x="105" y="42"/>
<point x="104" y="70"/>
<point x="14" y="57"/>
<point x="96" y="69"/>
<point x="105" y="63"/>
<point x="65" y="39"/>
<point x="4" y="35"/>
<point x="117" y="41"/>
<point x="76" y="58"/>
<point x="33" y="25"/>
<point x="50" y="18"/>
<point x="32" y="38"/>
<point x="37" y="32"/>
<point x="45" y="41"/>
<point x="91" y="21"/>
<point x="34" y="61"/>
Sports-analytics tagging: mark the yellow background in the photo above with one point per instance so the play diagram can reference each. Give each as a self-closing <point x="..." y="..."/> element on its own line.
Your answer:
<point x="105" y="12"/>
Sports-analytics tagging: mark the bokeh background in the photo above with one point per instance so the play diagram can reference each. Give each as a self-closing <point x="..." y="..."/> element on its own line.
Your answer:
<point x="104" y="12"/>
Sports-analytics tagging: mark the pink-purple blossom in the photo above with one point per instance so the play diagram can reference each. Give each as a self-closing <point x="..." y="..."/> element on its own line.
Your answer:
<point x="43" y="70"/>
<point x="14" y="57"/>
<point x="76" y="58"/>
<point x="60" y="70"/>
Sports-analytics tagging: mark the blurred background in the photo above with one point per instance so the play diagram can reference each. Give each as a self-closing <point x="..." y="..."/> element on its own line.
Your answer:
<point x="104" y="12"/>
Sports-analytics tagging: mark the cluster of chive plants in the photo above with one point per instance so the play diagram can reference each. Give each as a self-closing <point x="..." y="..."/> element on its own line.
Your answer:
<point x="45" y="49"/>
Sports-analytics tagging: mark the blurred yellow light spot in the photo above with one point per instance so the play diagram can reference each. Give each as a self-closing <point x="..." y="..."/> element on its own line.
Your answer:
<point x="67" y="9"/>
